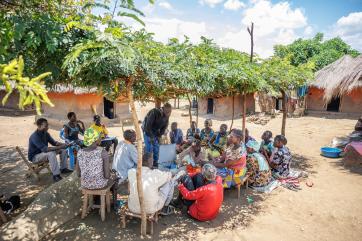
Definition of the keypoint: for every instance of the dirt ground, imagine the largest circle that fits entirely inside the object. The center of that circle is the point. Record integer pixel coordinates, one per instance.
(330, 210)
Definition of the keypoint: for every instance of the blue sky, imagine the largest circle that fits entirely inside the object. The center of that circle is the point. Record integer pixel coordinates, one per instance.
(276, 22)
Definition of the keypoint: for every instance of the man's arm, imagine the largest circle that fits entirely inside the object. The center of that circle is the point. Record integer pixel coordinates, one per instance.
(163, 129)
(192, 195)
(133, 154)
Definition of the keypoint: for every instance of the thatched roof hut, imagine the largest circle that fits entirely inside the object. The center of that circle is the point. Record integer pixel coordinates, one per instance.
(338, 86)
(340, 77)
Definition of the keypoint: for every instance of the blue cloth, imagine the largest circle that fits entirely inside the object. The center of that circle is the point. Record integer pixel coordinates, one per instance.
(176, 137)
(204, 135)
(302, 91)
(125, 158)
(268, 147)
(263, 164)
(153, 147)
(190, 135)
(38, 143)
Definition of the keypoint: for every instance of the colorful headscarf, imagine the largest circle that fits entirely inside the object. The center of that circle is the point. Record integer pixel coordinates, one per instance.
(90, 136)
(253, 144)
(209, 172)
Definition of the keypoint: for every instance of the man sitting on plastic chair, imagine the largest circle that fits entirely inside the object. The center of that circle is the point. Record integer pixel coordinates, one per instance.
(107, 141)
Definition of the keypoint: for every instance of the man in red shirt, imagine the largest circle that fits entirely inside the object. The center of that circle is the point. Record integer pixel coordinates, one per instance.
(203, 193)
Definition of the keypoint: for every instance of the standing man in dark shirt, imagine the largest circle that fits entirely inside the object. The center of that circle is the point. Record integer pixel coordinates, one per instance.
(154, 126)
(39, 151)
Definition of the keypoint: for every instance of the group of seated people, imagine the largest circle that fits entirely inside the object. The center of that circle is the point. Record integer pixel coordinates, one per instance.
(38, 150)
(207, 162)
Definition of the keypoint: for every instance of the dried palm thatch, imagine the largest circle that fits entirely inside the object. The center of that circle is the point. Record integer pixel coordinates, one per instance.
(340, 77)
(60, 88)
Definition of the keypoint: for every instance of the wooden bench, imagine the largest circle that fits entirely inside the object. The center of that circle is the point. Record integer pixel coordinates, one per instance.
(125, 212)
(34, 168)
(105, 196)
(2, 216)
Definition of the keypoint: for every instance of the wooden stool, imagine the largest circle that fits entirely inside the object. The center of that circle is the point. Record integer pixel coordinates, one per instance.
(151, 218)
(2, 216)
(34, 168)
(244, 181)
(105, 196)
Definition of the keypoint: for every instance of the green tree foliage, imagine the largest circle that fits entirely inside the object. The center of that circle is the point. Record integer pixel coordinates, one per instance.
(31, 90)
(316, 50)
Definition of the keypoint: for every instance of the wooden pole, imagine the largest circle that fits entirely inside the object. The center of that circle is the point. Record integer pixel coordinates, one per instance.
(139, 161)
(178, 103)
(190, 114)
(157, 103)
(197, 112)
(285, 111)
(232, 118)
(251, 33)
(174, 103)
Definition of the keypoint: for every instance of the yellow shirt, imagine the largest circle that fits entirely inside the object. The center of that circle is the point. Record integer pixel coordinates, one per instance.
(101, 129)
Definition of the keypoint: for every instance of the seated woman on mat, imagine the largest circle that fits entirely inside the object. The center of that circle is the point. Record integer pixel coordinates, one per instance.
(192, 157)
(176, 136)
(219, 141)
(266, 146)
(203, 193)
(192, 132)
(281, 158)
(73, 128)
(207, 133)
(232, 164)
(93, 163)
(107, 141)
(258, 168)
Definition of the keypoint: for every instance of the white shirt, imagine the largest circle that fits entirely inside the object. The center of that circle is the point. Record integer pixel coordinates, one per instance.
(152, 180)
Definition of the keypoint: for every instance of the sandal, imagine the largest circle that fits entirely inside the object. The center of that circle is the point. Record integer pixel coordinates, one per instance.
(167, 210)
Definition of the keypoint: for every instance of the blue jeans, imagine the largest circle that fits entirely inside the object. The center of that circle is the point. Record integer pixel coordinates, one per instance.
(152, 148)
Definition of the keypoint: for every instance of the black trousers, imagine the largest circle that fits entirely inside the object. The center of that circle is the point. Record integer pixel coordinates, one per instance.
(192, 183)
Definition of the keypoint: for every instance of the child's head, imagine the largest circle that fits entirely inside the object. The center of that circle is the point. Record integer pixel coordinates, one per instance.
(280, 141)
(223, 128)
(208, 123)
(196, 145)
(129, 135)
(147, 159)
(174, 126)
(267, 135)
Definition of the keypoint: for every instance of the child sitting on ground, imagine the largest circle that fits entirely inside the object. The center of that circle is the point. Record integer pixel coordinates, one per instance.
(266, 146)
(281, 158)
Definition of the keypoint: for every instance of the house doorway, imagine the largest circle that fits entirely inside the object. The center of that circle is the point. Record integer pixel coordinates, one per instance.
(210, 106)
(108, 108)
(334, 104)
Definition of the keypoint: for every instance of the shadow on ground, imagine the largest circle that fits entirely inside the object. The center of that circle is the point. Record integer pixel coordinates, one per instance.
(355, 168)
(302, 163)
(235, 213)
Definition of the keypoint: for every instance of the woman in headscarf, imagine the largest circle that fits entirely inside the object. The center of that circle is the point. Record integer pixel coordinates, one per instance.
(258, 167)
(93, 162)
(231, 166)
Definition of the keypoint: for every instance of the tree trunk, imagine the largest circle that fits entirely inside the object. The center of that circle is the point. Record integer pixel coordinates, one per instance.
(174, 103)
(178, 103)
(190, 104)
(157, 103)
(197, 111)
(232, 118)
(139, 161)
(285, 111)
(244, 115)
